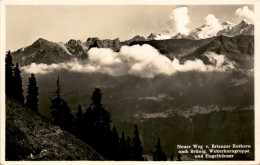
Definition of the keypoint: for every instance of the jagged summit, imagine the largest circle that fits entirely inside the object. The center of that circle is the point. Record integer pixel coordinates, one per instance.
(41, 41)
(73, 42)
(227, 23)
(157, 36)
(227, 28)
(244, 21)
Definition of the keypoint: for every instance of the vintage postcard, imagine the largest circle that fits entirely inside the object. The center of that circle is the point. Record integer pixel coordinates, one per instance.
(95, 82)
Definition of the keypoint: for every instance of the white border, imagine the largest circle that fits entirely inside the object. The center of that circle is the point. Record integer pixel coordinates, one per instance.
(256, 4)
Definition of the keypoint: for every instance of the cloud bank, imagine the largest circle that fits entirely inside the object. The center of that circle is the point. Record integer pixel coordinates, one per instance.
(143, 61)
(179, 19)
(246, 13)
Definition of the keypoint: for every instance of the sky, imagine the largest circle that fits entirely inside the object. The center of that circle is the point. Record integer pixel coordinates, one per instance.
(25, 24)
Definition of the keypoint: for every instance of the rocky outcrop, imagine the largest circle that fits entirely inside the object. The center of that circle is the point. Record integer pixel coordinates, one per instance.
(156, 36)
(77, 48)
(96, 42)
(134, 39)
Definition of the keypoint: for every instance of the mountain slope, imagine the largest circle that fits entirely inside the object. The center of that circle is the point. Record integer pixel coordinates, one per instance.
(242, 28)
(30, 136)
(42, 51)
(175, 47)
(239, 49)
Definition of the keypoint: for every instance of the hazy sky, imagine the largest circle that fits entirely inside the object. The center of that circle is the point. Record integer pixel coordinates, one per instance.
(25, 24)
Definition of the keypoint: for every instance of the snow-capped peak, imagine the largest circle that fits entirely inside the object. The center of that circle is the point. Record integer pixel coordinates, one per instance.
(227, 23)
(206, 31)
(244, 21)
(156, 36)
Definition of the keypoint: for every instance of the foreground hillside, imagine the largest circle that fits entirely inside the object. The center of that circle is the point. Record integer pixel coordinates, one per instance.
(30, 136)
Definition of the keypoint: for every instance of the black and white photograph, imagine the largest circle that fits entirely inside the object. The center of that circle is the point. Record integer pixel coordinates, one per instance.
(128, 82)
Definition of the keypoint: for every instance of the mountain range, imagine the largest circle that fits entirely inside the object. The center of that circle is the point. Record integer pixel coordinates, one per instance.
(230, 39)
(226, 28)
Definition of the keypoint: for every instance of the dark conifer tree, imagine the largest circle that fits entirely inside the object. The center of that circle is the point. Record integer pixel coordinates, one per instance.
(128, 148)
(101, 115)
(159, 155)
(18, 84)
(88, 133)
(122, 144)
(79, 121)
(172, 157)
(32, 94)
(102, 120)
(60, 110)
(164, 156)
(179, 157)
(137, 151)
(9, 75)
(115, 143)
(79, 114)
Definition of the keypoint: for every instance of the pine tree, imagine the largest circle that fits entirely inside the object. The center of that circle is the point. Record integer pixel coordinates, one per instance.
(171, 157)
(159, 155)
(115, 143)
(102, 120)
(79, 121)
(128, 148)
(164, 156)
(18, 85)
(79, 114)
(88, 133)
(32, 94)
(179, 157)
(60, 110)
(137, 146)
(101, 115)
(122, 144)
(9, 75)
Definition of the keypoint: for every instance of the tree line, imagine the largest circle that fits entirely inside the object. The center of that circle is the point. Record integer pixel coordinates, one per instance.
(14, 85)
(93, 125)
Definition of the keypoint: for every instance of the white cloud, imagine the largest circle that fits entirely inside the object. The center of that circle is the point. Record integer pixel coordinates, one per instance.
(179, 19)
(143, 61)
(213, 26)
(246, 13)
(212, 21)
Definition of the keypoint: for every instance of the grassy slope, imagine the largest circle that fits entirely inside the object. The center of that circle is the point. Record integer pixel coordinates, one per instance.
(30, 136)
